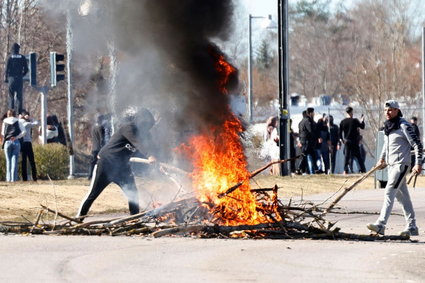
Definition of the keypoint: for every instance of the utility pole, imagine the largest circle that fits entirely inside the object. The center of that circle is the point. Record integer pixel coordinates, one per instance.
(423, 84)
(284, 134)
(43, 94)
(70, 94)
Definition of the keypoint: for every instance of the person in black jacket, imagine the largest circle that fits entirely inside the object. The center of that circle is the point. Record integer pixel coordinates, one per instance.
(323, 145)
(61, 138)
(101, 133)
(308, 139)
(335, 143)
(350, 136)
(16, 69)
(131, 139)
(414, 122)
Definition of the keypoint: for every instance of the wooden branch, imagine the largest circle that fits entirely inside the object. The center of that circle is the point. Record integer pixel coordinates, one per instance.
(255, 173)
(352, 186)
(40, 212)
(61, 215)
(165, 165)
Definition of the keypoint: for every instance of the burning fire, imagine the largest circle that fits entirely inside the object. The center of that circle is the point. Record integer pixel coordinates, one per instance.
(220, 163)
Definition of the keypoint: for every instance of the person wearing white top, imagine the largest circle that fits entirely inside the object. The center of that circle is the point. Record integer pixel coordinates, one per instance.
(27, 150)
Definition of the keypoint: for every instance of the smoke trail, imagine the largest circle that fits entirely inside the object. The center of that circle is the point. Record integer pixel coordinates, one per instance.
(164, 50)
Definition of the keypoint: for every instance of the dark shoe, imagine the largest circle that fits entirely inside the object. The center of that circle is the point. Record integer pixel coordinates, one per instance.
(298, 172)
(411, 231)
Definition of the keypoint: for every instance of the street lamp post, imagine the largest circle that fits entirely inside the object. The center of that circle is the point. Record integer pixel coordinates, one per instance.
(423, 84)
(284, 116)
(269, 25)
(70, 96)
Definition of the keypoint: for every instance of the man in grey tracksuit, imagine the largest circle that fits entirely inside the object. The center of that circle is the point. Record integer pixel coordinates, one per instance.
(398, 139)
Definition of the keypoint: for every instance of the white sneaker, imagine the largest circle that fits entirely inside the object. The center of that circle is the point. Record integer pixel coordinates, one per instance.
(377, 228)
(411, 231)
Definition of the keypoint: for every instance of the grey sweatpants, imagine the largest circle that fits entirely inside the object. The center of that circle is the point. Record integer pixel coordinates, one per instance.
(397, 188)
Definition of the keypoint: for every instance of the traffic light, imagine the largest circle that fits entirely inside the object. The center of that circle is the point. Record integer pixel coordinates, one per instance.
(57, 68)
(31, 76)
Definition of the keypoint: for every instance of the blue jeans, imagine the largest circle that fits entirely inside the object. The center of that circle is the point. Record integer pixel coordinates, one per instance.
(11, 151)
(310, 163)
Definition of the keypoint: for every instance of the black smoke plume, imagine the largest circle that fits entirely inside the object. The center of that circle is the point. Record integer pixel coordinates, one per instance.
(166, 55)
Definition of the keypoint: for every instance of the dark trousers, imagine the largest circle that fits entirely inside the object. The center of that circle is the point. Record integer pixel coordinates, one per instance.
(307, 163)
(351, 151)
(325, 157)
(15, 94)
(333, 152)
(105, 173)
(28, 153)
(92, 163)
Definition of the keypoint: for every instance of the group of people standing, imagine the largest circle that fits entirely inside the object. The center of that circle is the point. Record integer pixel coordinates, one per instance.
(319, 142)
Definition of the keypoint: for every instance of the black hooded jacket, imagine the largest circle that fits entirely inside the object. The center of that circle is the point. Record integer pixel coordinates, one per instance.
(131, 139)
(16, 65)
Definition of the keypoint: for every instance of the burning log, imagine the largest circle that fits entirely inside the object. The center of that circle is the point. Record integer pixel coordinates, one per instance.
(255, 173)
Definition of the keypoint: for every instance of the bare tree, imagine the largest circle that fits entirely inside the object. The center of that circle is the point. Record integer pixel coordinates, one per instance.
(384, 64)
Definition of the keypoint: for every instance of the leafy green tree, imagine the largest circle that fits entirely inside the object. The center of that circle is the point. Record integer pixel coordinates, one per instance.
(264, 56)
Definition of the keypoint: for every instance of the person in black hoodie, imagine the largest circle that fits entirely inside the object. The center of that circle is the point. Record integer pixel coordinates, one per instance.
(350, 136)
(16, 69)
(131, 139)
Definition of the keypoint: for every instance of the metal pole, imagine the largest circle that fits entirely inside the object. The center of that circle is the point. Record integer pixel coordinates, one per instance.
(70, 94)
(423, 84)
(284, 134)
(43, 95)
(250, 68)
(113, 69)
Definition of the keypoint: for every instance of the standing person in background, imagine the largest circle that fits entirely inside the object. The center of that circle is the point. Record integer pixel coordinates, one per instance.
(16, 69)
(308, 139)
(101, 133)
(302, 165)
(270, 149)
(335, 142)
(398, 139)
(325, 144)
(26, 146)
(12, 131)
(292, 141)
(51, 130)
(414, 122)
(61, 133)
(350, 136)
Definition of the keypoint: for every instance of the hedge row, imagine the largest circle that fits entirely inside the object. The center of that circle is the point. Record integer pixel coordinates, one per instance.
(52, 160)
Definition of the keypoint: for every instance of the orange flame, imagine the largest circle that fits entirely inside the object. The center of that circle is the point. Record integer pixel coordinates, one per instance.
(225, 70)
(220, 163)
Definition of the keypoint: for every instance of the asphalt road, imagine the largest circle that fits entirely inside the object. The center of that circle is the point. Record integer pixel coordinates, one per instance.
(123, 259)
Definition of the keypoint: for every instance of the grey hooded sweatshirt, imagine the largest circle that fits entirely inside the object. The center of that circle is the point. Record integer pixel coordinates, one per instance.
(397, 145)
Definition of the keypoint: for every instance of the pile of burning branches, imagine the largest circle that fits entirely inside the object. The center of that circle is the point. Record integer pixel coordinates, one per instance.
(191, 217)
